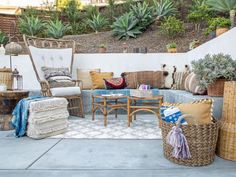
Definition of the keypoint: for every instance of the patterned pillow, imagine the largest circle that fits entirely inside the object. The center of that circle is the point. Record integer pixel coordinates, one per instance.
(201, 110)
(192, 85)
(179, 80)
(169, 76)
(171, 114)
(115, 83)
(51, 72)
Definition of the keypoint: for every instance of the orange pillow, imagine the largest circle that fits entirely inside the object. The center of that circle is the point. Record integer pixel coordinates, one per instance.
(201, 110)
(97, 78)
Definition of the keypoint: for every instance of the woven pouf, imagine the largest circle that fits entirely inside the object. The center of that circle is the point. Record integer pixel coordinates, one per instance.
(226, 146)
(47, 117)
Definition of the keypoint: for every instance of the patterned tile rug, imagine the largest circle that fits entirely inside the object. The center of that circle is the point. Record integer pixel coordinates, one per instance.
(144, 127)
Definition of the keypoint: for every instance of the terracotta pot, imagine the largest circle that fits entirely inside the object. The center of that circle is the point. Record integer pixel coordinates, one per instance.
(220, 31)
(172, 50)
(217, 88)
(102, 50)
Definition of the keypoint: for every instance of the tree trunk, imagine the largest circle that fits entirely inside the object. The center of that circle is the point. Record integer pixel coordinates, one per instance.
(232, 16)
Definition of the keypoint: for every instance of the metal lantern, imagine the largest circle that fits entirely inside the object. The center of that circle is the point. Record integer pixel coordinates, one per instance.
(17, 80)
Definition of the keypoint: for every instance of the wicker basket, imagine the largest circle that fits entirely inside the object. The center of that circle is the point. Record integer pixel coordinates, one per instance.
(226, 146)
(6, 77)
(217, 88)
(201, 140)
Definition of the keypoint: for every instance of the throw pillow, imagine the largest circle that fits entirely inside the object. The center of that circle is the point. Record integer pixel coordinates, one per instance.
(168, 75)
(84, 76)
(179, 80)
(97, 78)
(115, 83)
(51, 72)
(201, 110)
(192, 84)
(171, 114)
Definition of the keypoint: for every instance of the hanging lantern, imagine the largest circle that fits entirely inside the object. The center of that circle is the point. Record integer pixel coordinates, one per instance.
(13, 49)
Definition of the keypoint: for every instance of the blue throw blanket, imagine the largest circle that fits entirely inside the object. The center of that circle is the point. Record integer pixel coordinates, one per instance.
(20, 114)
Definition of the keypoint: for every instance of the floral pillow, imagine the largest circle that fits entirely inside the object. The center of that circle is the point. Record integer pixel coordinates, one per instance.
(115, 83)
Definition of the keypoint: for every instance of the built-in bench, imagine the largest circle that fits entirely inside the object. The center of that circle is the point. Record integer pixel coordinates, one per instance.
(171, 96)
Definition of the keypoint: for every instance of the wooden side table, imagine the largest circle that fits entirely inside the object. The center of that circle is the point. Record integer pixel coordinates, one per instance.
(150, 104)
(107, 104)
(8, 101)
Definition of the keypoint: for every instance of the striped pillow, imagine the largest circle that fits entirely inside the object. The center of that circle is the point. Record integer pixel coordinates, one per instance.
(192, 84)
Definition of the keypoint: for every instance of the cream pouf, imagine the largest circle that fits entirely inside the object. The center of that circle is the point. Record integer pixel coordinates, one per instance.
(47, 118)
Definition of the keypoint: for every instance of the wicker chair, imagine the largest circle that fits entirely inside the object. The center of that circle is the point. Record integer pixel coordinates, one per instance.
(55, 53)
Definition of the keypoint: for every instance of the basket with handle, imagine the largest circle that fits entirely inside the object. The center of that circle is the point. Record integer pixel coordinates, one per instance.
(201, 140)
(6, 77)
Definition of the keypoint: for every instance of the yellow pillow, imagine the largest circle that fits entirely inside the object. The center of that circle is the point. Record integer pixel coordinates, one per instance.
(97, 78)
(201, 110)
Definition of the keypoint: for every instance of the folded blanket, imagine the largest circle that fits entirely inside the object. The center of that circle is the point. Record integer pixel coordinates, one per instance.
(20, 114)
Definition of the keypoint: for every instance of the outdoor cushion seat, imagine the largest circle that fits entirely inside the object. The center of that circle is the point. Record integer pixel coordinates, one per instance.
(65, 91)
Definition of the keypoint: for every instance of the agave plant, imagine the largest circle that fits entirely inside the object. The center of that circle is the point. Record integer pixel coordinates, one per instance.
(31, 25)
(3, 38)
(164, 8)
(143, 13)
(126, 26)
(56, 29)
(224, 6)
(97, 22)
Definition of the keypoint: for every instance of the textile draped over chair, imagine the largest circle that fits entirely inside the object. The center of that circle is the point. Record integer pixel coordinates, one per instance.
(54, 53)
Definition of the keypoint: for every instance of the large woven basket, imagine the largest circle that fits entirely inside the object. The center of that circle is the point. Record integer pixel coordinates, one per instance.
(217, 88)
(6, 77)
(201, 139)
(226, 146)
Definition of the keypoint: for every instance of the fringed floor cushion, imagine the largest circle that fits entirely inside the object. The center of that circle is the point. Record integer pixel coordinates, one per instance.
(47, 117)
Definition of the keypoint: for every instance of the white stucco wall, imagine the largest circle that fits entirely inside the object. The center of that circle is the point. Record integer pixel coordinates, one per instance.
(122, 62)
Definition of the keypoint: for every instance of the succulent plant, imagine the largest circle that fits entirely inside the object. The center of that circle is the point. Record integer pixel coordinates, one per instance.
(213, 67)
(56, 29)
(3, 38)
(126, 26)
(164, 8)
(172, 45)
(97, 22)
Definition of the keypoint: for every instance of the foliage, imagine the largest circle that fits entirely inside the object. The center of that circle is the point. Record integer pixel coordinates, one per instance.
(61, 4)
(72, 12)
(143, 13)
(172, 45)
(91, 11)
(3, 38)
(97, 22)
(56, 29)
(211, 68)
(30, 11)
(195, 43)
(219, 22)
(31, 25)
(102, 46)
(111, 8)
(126, 26)
(172, 27)
(164, 8)
(222, 5)
(199, 14)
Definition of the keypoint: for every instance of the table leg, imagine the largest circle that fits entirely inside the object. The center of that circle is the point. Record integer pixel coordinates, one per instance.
(105, 111)
(116, 109)
(128, 111)
(135, 103)
(93, 110)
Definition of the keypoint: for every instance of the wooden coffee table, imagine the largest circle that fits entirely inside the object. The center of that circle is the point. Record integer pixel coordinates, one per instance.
(8, 101)
(149, 104)
(107, 104)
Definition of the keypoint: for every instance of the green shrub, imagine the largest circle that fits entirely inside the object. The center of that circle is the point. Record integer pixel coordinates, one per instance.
(126, 26)
(72, 12)
(211, 68)
(164, 8)
(56, 29)
(91, 11)
(219, 22)
(78, 28)
(143, 13)
(97, 22)
(3, 38)
(172, 27)
(31, 25)
(172, 45)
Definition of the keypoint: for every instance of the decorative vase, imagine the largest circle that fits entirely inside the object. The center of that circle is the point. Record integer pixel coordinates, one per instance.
(2, 50)
(220, 31)
(217, 88)
(172, 50)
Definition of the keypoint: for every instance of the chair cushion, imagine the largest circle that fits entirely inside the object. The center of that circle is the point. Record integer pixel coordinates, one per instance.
(65, 91)
(84, 76)
(97, 78)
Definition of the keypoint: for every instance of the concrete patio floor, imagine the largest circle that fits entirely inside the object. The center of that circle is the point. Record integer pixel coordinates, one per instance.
(22, 157)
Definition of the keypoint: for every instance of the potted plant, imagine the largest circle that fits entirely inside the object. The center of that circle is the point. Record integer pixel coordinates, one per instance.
(195, 43)
(171, 47)
(102, 48)
(219, 25)
(213, 70)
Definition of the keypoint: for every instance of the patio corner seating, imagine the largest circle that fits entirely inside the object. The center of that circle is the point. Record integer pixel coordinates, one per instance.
(54, 53)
